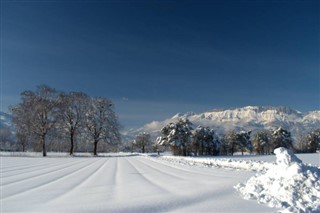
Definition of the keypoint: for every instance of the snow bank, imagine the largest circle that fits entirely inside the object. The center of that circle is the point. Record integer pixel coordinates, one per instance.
(288, 184)
(250, 165)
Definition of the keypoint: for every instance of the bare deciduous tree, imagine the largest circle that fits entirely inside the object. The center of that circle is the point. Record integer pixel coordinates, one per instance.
(102, 122)
(35, 115)
(71, 113)
(142, 141)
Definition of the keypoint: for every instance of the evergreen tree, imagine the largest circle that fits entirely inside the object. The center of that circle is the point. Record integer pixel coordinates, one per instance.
(205, 141)
(230, 140)
(313, 141)
(243, 141)
(262, 142)
(177, 136)
(281, 138)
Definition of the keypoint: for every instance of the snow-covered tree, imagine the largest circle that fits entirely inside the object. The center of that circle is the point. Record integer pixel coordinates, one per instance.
(71, 114)
(230, 142)
(281, 138)
(205, 141)
(237, 141)
(177, 136)
(142, 141)
(243, 141)
(262, 142)
(313, 141)
(101, 122)
(35, 115)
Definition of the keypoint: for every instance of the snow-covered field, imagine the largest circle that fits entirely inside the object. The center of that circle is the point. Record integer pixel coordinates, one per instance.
(132, 183)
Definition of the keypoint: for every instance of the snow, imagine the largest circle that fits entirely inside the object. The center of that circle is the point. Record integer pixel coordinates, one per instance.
(289, 184)
(245, 118)
(128, 182)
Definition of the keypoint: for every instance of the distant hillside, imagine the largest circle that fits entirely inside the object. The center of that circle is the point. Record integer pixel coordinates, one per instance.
(222, 120)
(5, 120)
(246, 118)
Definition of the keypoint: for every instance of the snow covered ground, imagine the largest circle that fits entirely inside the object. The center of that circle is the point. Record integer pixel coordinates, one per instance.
(122, 183)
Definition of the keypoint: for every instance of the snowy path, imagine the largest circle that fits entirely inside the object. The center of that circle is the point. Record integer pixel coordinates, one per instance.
(118, 184)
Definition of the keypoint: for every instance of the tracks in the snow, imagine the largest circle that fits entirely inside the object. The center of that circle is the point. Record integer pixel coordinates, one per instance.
(50, 178)
(106, 184)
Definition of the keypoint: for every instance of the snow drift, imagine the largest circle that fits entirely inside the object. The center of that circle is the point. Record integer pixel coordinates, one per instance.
(289, 184)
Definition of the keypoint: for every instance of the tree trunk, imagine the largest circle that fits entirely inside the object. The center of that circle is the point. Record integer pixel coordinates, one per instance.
(71, 140)
(184, 149)
(142, 149)
(202, 148)
(43, 141)
(196, 152)
(95, 147)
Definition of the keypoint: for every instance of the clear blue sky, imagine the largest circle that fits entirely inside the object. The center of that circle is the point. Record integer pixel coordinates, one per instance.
(157, 58)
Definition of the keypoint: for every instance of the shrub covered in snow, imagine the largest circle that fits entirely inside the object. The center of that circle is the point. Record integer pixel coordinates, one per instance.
(288, 184)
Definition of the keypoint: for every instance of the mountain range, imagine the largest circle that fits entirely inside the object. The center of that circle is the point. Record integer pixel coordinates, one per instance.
(222, 120)
(5, 120)
(245, 118)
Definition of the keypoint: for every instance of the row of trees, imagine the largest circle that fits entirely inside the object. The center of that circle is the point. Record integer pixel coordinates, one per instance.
(183, 139)
(46, 113)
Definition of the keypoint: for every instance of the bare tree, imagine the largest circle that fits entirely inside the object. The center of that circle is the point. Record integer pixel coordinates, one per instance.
(142, 141)
(71, 114)
(35, 115)
(102, 122)
(23, 139)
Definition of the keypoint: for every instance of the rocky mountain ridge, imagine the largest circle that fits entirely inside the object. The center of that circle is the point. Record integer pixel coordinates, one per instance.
(245, 118)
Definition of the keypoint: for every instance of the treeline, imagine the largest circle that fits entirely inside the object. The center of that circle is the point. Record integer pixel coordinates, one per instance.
(183, 139)
(57, 121)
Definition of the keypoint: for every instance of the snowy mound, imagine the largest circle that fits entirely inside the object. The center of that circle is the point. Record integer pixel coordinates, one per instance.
(289, 184)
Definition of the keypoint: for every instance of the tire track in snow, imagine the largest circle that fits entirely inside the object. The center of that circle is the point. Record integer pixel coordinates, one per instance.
(181, 201)
(23, 179)
(197, 200)
(76, 185)
(183, 168)
(23, 162)
(24, 166)
(130, 185)
(48, 167)
(160, 171)
(114, 178)
(48, 183)
(148, 180)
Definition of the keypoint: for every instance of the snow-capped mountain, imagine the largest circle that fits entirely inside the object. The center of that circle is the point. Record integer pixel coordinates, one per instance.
(246, 118)
(5, 120)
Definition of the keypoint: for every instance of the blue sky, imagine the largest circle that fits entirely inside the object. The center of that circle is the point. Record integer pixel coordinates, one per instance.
(157, 58)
